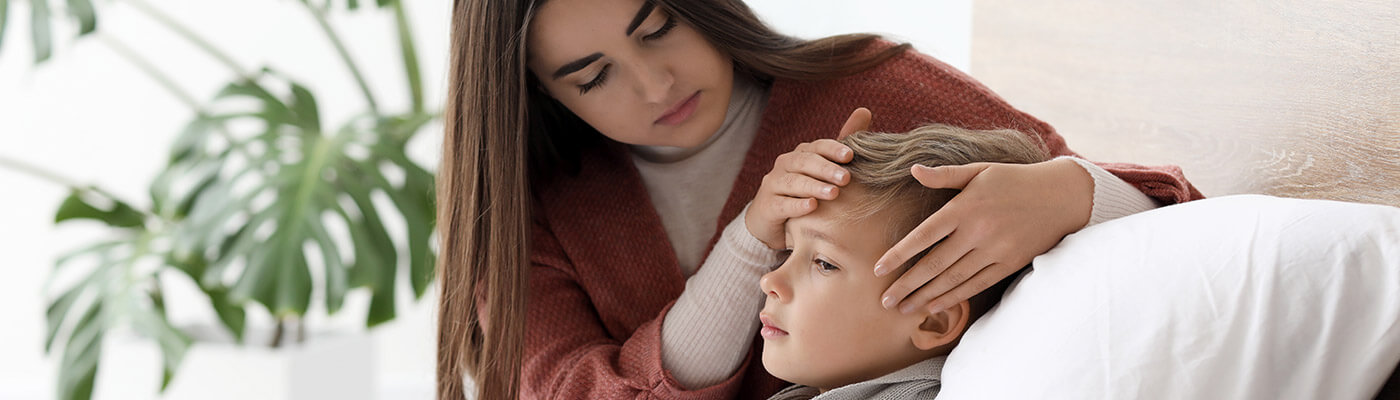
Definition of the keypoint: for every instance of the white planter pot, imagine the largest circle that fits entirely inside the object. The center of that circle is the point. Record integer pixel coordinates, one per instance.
(324, 367)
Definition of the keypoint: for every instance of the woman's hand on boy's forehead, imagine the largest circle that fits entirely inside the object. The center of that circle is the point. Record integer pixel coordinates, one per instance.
(1005, 215)
(798, 179)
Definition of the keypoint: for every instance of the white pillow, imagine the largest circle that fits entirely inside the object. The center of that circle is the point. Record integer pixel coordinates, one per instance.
(1241, 297)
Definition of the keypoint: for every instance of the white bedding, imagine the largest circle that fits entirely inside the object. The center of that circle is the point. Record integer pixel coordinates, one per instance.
(1241, 297)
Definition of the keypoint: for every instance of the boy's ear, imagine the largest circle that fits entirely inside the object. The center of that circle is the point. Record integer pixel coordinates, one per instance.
(941, 328)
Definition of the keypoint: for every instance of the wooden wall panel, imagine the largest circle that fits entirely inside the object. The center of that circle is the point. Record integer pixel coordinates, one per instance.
(1291, 98)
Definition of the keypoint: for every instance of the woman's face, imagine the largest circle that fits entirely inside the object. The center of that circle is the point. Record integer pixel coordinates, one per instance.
(630, 70)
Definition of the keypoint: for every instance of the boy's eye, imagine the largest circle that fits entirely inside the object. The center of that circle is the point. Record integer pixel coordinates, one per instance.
(826, 266)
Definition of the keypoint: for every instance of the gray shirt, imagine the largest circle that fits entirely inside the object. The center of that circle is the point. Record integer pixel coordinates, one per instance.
(918, 381)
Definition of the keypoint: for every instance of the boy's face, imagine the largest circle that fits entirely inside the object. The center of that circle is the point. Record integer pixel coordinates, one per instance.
(823, 325)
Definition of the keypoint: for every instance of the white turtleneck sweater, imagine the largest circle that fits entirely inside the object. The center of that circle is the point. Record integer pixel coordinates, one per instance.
(707, 333)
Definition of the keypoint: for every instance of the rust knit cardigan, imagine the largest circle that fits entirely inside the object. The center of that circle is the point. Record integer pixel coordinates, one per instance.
(604, 274)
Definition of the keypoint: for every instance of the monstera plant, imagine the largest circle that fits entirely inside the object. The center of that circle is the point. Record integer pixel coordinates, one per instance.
(250, 196)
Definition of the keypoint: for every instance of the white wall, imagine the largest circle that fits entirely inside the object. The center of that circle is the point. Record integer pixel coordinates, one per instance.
(93, 117)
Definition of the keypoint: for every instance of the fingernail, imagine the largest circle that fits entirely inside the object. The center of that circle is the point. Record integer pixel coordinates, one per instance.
(845, 152)
(907, 308)
(840, 175)
(879, 272)
(827, 190)
(887, 302)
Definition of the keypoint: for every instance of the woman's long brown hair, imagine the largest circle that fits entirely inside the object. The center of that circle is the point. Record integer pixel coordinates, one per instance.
(502, 134)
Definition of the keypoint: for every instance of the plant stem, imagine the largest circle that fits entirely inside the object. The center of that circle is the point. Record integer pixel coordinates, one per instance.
(277, 333)
(301, 331)
(145, 66)
(38, 172)
(54, 177)
(164, 80)
(344, 54)
(410, 56)
(189, 35)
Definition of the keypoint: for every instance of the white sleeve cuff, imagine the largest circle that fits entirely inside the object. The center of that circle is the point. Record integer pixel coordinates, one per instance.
(1113, 197)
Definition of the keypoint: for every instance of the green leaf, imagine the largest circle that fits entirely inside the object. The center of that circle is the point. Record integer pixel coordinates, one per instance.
(241, 244)
(87, 17)
(4, 17)
(78, 367)
(304, 104)
(379, 270)
(121, 215)
(255, 282)
(193, 264)
(190, 139)
(187, 203)
(336, 283)
(39, 24)
(232, 315)
(158, 299)
(173, 343)
(415, 203)
(293, 280)
(409, 53)
(58, 312)
(98, 248)
(209, 217)
(274, 111)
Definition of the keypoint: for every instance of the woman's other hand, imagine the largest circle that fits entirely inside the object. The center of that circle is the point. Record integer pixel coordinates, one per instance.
(1006, 215)
(798, 179)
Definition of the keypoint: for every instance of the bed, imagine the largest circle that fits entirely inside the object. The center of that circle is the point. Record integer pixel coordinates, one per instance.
(1287, 98)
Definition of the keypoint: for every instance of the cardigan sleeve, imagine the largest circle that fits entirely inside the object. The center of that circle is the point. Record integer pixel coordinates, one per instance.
(951, 96)
(570, 355)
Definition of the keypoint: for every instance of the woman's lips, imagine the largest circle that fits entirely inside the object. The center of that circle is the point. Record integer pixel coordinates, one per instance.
(770, 329)
(680, 112)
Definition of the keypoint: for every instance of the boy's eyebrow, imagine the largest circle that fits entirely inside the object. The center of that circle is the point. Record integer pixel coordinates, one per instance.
(822, 236)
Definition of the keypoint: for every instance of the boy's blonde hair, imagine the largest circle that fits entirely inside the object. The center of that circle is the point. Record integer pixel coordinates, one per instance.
(882, 162)
(882, 165)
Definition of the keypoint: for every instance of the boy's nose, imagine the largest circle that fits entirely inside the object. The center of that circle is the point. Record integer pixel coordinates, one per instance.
(772, 285)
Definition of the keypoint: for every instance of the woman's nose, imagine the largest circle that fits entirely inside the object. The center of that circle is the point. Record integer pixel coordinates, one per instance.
(654, 81)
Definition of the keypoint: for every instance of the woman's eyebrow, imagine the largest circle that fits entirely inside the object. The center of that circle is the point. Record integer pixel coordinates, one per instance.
(641, 16)
(576, 65)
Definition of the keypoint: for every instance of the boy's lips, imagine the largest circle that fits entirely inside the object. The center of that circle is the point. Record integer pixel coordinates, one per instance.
(770, 328)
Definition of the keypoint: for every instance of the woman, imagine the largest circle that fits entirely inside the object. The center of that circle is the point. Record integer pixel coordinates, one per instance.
(598, 160)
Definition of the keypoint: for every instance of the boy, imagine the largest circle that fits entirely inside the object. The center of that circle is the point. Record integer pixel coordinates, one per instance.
(822, 327)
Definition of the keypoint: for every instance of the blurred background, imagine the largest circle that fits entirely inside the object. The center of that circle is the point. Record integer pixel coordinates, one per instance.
(157, 130)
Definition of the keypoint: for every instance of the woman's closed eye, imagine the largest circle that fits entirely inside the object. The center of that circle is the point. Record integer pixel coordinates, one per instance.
(661, 32)
(603, 73)
(597, 80)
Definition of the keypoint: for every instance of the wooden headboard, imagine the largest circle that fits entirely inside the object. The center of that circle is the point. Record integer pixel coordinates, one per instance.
(1293, 98)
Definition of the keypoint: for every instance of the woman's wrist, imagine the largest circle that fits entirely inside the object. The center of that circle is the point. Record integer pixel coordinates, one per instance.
(1113, 197)
(1076, 193)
